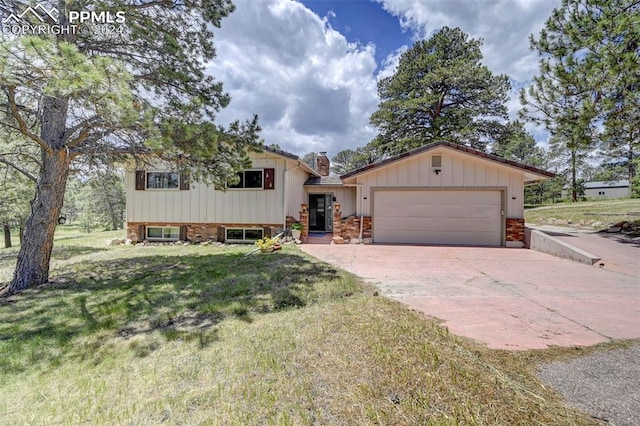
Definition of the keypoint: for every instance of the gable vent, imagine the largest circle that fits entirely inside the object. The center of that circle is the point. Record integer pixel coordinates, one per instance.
(436, 161)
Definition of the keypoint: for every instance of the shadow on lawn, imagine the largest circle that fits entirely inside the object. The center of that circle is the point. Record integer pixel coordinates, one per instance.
(178, 296)
(8, 257)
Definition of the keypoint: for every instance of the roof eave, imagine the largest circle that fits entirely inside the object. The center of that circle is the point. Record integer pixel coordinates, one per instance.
(324, 184)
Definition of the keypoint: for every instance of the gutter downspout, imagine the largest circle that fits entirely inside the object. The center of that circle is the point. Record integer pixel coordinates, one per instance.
(360, 200)
(286, 193)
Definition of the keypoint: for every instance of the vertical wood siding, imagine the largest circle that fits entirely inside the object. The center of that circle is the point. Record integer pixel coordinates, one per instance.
(204, 204)
(297, 177)
(458, 171)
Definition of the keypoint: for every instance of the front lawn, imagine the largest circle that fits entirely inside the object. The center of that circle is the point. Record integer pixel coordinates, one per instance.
(205, 335)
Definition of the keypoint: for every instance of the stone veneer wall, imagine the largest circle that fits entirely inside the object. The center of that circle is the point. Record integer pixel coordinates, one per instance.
(515, 230)
(304, 220)
(198, 232)
(349, 227)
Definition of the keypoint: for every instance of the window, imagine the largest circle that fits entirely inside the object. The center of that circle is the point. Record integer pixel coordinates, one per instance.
(163, 180)
(244, 234)
(249, 179)
(436, 161)
(163, 233)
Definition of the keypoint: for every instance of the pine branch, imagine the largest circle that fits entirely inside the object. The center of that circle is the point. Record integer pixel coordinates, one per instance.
(19, 169)
(22, 125)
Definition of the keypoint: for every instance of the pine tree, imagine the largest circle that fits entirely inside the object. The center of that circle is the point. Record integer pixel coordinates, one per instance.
(17, 184)
(516, 144)
(588, 87)
(141, 91)
(440, 91)
(350, 159)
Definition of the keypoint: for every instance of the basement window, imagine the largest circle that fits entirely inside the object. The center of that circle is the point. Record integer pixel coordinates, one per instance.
(163, 233)
(243, 235)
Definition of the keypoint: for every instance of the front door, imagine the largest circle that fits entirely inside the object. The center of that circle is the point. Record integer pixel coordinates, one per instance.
(320, 219)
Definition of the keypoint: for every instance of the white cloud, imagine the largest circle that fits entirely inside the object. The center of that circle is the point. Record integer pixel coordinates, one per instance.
(504, 25)
(390, 63)
(315, 91)
(312, 90)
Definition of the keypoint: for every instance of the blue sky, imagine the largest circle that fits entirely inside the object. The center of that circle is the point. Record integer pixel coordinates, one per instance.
(364, 21)
(309, 68)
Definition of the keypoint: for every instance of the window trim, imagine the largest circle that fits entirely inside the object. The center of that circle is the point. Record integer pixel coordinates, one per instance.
(244, 239)
(163, 238)
(244, 180)
(146, 180)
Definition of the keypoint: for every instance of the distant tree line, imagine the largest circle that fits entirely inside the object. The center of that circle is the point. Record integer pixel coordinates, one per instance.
(94, 198)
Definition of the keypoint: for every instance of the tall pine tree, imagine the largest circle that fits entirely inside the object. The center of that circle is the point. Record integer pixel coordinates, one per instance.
(136, 87)
(440, 91)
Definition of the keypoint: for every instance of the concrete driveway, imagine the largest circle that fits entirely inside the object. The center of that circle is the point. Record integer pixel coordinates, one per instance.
(507, 298)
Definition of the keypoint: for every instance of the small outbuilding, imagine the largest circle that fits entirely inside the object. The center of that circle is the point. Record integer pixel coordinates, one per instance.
(607, 189)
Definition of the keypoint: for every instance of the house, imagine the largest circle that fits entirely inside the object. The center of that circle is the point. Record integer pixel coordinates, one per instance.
(441, 193)
(608, 189)
(162, 205)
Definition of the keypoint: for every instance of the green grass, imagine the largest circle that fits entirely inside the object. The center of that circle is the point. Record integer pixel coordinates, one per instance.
(585, 214)
(205, 335)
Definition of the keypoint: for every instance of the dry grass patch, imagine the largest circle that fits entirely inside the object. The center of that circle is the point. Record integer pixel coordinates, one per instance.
(357, 360)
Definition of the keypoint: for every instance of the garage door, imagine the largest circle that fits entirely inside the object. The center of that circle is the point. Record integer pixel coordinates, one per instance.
(438, 217)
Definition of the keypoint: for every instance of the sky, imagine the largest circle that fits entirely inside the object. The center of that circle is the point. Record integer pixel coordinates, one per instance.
(309, 68)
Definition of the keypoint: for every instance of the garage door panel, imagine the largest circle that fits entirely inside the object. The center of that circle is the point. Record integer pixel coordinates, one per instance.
(471, 217)
(452, 224)
(445, 210)
(444, 238)
(439, 197)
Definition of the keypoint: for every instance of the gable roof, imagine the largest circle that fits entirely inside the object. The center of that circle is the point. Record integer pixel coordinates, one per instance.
(291, 156)
(429, 147)
(607, 184)
(280, 152)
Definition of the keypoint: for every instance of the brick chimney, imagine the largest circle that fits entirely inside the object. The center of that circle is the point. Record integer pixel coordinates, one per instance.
(322, 164)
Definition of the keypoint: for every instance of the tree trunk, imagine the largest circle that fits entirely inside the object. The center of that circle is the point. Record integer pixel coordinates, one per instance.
(35, 252)
(7, 235)
(574, 182)
(21, 233)
(113, 215)
(32, 267)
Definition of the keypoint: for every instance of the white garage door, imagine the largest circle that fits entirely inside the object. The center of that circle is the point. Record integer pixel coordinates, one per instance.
(438, 217)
